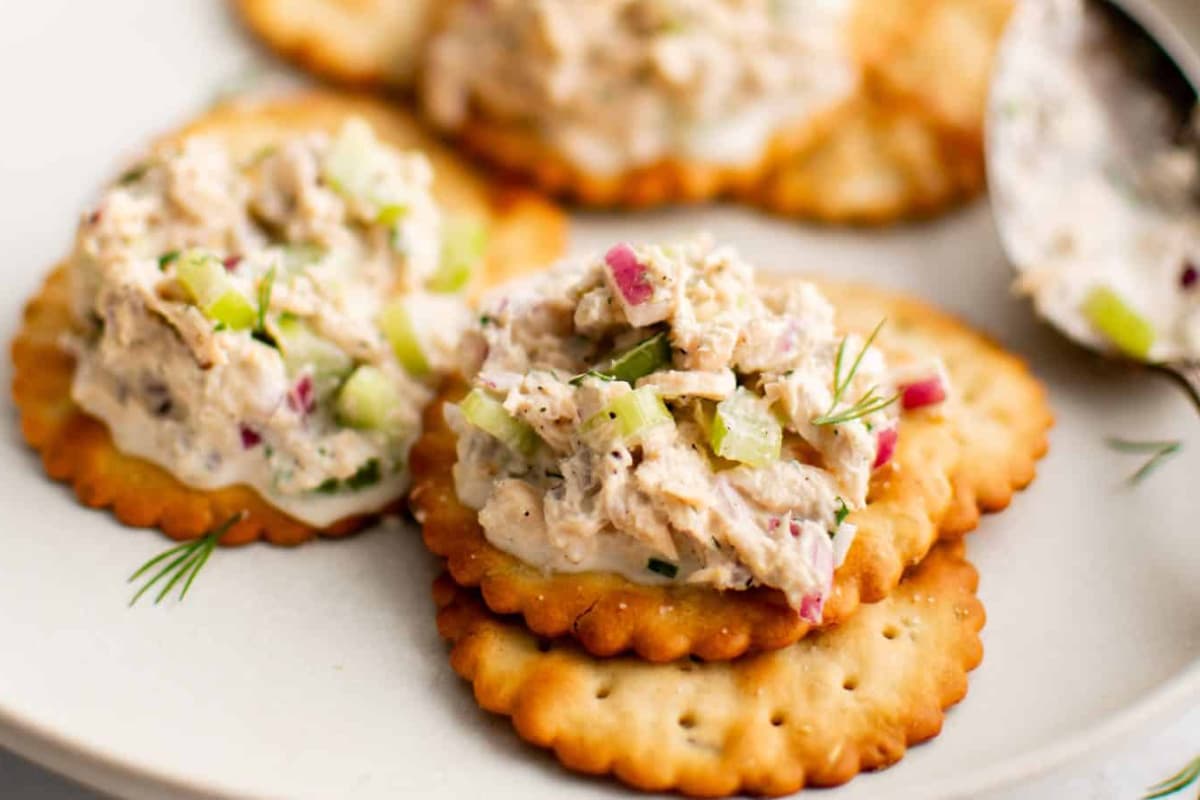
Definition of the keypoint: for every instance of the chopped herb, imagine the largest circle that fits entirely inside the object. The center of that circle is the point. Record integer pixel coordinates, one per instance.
(265, 286)
(1159, 452)
(328, 486)
(220, 326)
(367, 475)
(486, 320)
(591, 373)
(184, 562)
(260, 332)
(842, 512)
(133, 174)
(166, 258)
(869, 403)
(264, 337)
(1181, 780)
(664, 568)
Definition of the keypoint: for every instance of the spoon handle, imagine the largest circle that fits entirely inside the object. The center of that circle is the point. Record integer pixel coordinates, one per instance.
(1187, 374)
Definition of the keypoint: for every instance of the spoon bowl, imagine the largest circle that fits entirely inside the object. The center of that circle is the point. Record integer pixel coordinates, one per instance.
(1093, 144)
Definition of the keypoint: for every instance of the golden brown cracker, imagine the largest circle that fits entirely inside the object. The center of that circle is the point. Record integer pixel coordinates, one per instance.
(817, 713)
(882, 161)
(1001, 412)
(75, 448)
(362, 42)
(938, 53)
(911, 144)
(609, 614)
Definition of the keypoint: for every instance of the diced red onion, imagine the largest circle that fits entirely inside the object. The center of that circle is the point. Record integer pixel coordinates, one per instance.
(885, 446)
(250, 437)
(816, 545)
(628, 275)
(1190, 276)
(231, 263)
(927, 392)
(302, 399)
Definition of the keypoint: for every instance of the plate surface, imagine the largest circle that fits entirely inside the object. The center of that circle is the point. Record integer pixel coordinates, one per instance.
(317, 672)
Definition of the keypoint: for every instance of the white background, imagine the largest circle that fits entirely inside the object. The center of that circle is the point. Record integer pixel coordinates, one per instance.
(72, 73)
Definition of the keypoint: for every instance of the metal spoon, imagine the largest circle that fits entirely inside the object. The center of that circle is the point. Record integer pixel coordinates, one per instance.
(1128, 57)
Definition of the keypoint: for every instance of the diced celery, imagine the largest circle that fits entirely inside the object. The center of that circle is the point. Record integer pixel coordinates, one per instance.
(488, 414)
(745, 430)
(350, 164)
(634, 413)
(204, 277)
(1127, 330)
(396, 323)
(464, 241)
(233, 310)
(367, 399)
(649, 355)
(302, 348)
(390, 214)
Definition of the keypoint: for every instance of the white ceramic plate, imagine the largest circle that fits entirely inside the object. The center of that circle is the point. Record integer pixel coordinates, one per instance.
(317, 672)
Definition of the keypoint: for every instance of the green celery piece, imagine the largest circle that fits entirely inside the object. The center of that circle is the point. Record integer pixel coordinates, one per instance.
(1127, 330)
(634, 413)
(488, 415)
(204, 277)
(366, 399)
(396, 323)
(390, 214)
(645, 357)
(745, 430)
(464, 241)
(302, 348)
(233, 310)
(349, 166)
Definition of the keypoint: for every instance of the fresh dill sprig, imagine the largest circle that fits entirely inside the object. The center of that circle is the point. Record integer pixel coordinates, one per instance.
(1181, 780)
(184, 562)
(869, 403)
(1159, 452)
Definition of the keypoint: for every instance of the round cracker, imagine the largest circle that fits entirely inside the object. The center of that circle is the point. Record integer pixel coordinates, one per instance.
(525, 233)
(911, 145)
(360, 42)
(946, 470)
(849, 699)
(884, 160)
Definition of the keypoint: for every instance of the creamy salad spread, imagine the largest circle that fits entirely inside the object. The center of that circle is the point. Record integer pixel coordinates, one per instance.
(615, 84)
(267, 322)
(653, 414)
(1111, 256)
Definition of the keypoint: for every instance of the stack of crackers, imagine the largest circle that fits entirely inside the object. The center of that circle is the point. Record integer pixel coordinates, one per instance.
(710, 693)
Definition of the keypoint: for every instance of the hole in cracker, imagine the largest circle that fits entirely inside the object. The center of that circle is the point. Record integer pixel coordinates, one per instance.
(778, 719)
(603, 692)
(891, 632)
(687, 720)
(544, 645)
(851, 683)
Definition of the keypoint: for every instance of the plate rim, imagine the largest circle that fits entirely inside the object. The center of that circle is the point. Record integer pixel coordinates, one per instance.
(108, 772)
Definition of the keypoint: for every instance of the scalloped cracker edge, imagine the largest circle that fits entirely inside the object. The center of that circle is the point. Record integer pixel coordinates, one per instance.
(817, 713)
(526, 232)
